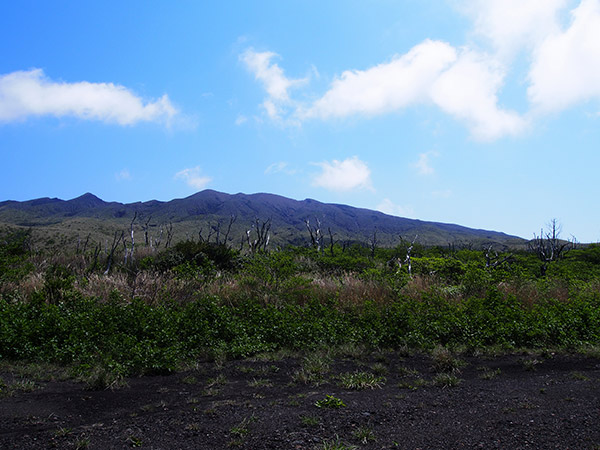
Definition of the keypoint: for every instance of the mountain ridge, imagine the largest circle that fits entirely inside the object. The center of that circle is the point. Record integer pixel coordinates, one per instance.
(206, 210)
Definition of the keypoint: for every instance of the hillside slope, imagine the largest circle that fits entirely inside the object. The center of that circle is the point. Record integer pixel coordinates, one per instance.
(201, 213)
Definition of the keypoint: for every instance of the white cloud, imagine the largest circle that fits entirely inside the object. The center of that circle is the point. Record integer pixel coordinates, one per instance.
(462, 83)
(123, 175)
(193, 177)
(468, 91)
(466, 82)
(346, 175)
(273, 79)
(277, 167)
(423, 165)
(511, 25)
(403, 81)
(388, 207)
(566, 66)
(241, 119)
(30, 93)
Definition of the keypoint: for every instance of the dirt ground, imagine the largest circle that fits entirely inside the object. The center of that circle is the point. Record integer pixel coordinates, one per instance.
(405, 401)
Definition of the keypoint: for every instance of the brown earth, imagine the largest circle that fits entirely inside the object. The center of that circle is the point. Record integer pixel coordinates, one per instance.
(510, 401)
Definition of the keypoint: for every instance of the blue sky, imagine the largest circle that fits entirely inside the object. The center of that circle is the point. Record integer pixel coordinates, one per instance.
(483, 113)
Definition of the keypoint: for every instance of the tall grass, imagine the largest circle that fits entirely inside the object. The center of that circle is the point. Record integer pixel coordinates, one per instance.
(163, 310)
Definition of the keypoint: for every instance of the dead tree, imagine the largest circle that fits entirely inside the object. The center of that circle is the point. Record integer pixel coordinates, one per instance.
(145, 227)
(132, 238)
(87, 240)
(232, 220)
(263, 235)
(97, 250)
(493, 260)
(316, 235)
(116, 241)
(407, 262)
(125, 252)
(169, 235)
(331, 241)
(217, 229)
(158, 240)
(373, 242)
(548, 246)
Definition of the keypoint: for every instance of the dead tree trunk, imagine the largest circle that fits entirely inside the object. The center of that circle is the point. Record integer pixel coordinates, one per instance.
(548, 246)
(493, 261)
(316, 235)
(132, 238)
(263, 236)
(169, 235)
(331, 242)
(232, 220)
(109, 260)
(407, 262)
(373, 243)
(145, 228)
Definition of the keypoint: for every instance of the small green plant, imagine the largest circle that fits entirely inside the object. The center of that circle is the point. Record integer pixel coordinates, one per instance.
(444, 360)
(360, 380)
(260, 382)
(310, 421)
(317, 363)
(445, 380)
(189, 380)
(100, 378)
(330, 402)
(412, 384)
(579, 376)
(364, 435)
(380, 369)
(24, 385)
(406, 372)
(243, 428)
(62, 432)
(82, 442)
(489, 374)
(219, 380)
(336, 444)
(531, 364)
(134, 441)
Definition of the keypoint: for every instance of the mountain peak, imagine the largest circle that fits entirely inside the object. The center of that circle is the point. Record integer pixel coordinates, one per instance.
(87, 200)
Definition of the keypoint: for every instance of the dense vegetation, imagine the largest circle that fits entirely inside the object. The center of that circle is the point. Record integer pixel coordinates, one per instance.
(157, 310)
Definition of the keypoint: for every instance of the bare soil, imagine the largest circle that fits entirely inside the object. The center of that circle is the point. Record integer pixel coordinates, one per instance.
(512, 401)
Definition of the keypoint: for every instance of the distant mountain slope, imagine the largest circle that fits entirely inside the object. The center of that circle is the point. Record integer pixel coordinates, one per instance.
(201, 212)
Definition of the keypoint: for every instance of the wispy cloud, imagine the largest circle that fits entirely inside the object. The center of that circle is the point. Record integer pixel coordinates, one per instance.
(25, 94)
(241, 119)
(388, 207)
(423, 165)
(123, 175)
(273, 80)
(193, 177)
(277, 167)
(346, 175)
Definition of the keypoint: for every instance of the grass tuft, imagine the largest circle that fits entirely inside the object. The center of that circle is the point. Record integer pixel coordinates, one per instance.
(360, 380)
